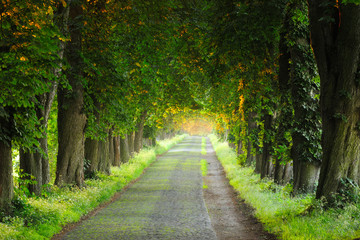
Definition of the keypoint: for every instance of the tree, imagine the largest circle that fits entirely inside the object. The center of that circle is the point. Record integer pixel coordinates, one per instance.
(34, 161)
(29, 54)
(71, 116)
(336, 43)
(306, 132)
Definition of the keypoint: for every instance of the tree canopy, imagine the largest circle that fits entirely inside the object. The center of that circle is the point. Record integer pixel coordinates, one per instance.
(112, 73)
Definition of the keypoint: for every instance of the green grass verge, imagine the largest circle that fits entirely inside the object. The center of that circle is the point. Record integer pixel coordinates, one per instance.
(288, 217)
(41, 218)
(203, 146)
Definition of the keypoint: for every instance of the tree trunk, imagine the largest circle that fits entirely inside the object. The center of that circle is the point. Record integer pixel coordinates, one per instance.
(130, 140)
(284, 115)
(240, 144)
(111, 149)
(306, 148)
(153, 142)
(305, 175)
(6, 178)
(139, 133)
(33, 162)
(124, 149)
(337, 49)
(117, 158)
(265, 156)
(282, 173)
(91, 156)
(6, 169)
(71, 118)
(104, 158)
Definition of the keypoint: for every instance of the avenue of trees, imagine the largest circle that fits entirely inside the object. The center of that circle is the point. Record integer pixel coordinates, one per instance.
(279, 78)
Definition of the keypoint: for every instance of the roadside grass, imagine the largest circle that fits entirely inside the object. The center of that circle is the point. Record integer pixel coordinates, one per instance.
(301, 217)
(42, 217)
(203, 146)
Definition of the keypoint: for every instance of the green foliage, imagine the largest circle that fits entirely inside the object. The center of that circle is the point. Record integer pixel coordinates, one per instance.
(28, 56)
(22, 181)
(351, 1)
(42, 217)
(300, 217)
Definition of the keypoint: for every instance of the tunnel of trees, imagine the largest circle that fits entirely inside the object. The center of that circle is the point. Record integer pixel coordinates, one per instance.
(84, 84)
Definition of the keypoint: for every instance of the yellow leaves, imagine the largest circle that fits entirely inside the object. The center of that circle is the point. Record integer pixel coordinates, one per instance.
(126, 8)
(138, 64)
(132, 71)
(62, 39)
(63, 3)
(22, 58)
(241, 85)
(37, 25)
(50, 11)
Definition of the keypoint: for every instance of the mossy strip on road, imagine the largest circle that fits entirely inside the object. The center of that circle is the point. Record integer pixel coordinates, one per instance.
(165, 203)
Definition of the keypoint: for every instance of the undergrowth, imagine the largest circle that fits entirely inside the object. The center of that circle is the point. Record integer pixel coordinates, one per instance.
(301, 217)
(42, 217)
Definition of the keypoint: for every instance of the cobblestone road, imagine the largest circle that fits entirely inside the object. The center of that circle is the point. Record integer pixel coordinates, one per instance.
(165, 203)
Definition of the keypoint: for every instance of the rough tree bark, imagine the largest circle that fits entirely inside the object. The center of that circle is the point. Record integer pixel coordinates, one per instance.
(117, 159)
(111, 148)
(335, 36)
(104, 156)
(92, 156)
(124, 149)
(139, 133)
(130, 140)
(71, 117)
(6, 178)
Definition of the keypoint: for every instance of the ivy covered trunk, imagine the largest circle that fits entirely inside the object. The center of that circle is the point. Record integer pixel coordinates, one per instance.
(266, 169)
(6, 178)
(71, 116)
(124, 149)
(335, 37)
(284, 115)
(250, 158)
(139, 133)
(306, 149)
